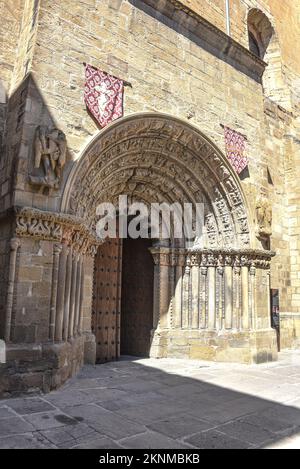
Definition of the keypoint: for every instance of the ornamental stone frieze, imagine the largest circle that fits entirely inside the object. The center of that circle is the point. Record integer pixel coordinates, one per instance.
(49, 226)
(251, 258)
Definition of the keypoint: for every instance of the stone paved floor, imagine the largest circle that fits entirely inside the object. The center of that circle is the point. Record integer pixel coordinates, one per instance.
(163, 404)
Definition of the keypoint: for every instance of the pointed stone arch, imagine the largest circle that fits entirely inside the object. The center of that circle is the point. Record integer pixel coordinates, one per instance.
(155, 157)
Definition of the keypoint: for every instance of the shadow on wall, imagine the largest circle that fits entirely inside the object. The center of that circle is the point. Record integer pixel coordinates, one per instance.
(204, 35)
(20, 116)
(26, 112)
(3, 104)
(130, 404)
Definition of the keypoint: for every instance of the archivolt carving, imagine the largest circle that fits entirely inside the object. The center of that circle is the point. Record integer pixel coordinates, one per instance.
(154, 156)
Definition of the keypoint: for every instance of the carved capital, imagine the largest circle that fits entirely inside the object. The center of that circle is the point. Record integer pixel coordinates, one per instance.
(14, 244)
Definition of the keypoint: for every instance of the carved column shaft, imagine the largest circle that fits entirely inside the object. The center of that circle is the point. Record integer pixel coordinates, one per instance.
(211, 297)
(245, 297)
(61, 293)
(78, 289)
(195, 297)
(185, 311)
(228, 296)
(203, 297)
(56, 252)
(164, 295)
(67, 295)
(81, 298)
(14, 245)
(177, 296)
(253, 296)
(73, 295)
(236, 317)
(156, 294)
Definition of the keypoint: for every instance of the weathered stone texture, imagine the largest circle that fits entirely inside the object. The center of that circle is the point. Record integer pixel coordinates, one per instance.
(44, 48)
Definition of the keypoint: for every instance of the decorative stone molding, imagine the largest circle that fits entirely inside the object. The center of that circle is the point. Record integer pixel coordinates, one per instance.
(66, 229)
(14, 246)
(219, 258)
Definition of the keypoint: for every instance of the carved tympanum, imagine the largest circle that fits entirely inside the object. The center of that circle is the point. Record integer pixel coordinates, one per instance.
(49, 157)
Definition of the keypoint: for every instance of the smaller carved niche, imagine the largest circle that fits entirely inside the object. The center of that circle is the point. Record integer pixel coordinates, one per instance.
(49, 157)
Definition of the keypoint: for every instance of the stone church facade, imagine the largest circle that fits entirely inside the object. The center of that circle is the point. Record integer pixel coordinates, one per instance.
(66, 298)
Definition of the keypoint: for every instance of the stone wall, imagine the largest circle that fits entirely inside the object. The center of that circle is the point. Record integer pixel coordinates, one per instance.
(5, 235)
(11, 10)
(289, 330)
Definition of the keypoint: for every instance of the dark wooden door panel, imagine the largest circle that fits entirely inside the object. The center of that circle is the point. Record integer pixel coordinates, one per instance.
(137, 297)
(106, 300)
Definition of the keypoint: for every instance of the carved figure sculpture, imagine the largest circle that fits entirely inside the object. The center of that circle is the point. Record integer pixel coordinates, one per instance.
(264, 217)
(49, 156)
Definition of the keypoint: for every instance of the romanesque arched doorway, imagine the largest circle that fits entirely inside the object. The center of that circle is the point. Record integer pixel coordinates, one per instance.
(210, 297)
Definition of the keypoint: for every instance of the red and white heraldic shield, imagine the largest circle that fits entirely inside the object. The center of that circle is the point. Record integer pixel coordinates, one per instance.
(103, 95)
(235, 144)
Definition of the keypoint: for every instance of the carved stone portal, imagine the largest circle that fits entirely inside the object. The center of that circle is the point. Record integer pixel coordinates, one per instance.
(49, 157)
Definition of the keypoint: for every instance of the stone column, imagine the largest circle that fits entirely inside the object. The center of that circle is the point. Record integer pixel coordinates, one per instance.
(14, 245)
(81, 288)
(195, 320)
(253, 296)
(177, 307)
(172, 276)
(245, 293)
(228, 285)
(156, 294)
(268, 293)
(236, 318)
(67, 295)
(220, 318)
(186, 291)
(56, 252)
(203, 297)
(77, 297)
(73, 295)
(164, 297)
(211, 274)
(61, 293)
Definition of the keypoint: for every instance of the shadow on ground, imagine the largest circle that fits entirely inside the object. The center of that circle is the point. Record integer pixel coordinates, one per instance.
(147, 403)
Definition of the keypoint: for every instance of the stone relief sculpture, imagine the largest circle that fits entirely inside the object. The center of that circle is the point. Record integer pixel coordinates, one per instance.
(263, 217)
(49, 156)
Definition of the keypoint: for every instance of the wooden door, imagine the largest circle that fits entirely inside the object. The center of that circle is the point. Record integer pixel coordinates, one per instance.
(106, 300)
(137, 297)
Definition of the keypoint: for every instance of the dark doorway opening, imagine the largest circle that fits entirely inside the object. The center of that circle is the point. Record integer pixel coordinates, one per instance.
(136, 297)
(122, 311)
